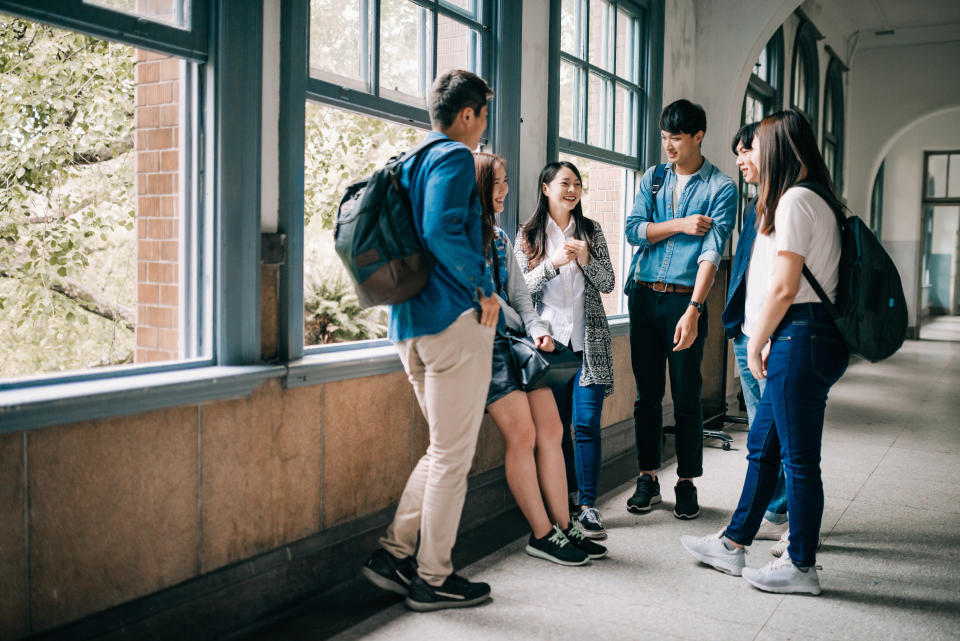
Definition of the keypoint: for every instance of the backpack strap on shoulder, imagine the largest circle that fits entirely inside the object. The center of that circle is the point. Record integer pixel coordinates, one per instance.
(659, 174)
(837, 207)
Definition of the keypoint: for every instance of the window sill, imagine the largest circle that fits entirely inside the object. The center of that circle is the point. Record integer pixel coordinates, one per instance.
(340, 365)
(29, 408)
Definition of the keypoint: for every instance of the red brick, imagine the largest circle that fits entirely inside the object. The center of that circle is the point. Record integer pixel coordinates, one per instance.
(160, 355)
(170, 69)
(161, 317)
(148, 250)
(147, 293)
(170, 115)
(141, 356)
(169, 339)
(142, 184)
(160, 229)
(170, 250)
(147, 206)
(168, 206)
(148, 72)
(148, 117)
(159, 138)
(153, 55)
(147, 337)
(148, 161)
(170, 160)
(160, 183)
(141, 55)
(141, 228)
(141, 96)
(169, 295)
(141, 272)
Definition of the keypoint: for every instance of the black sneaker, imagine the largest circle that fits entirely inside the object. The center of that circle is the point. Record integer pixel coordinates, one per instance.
(556, 547)
(390, 573)
(589, 520)
(456, 592)
(646, 496)
(576, 535)
(686, 506)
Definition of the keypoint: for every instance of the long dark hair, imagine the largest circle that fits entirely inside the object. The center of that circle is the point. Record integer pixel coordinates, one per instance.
(535, 230)
(788, 155)
(486, 166)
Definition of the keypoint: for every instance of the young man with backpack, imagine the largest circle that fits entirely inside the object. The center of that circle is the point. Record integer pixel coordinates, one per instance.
(444, 336)
(680, 222)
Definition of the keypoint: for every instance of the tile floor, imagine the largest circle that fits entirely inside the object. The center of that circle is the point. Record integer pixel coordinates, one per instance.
(890, 557)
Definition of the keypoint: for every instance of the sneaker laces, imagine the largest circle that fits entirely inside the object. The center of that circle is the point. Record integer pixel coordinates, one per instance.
(575, 532)
(558, 538)
(593, 515)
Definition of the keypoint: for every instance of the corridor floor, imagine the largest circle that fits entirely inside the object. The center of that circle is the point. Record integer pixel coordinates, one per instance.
(890, 557)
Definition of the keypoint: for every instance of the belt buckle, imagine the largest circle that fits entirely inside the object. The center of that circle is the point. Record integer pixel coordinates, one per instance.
(659, 286)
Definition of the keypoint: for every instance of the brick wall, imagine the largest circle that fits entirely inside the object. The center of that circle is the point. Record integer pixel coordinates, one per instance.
(157, 140)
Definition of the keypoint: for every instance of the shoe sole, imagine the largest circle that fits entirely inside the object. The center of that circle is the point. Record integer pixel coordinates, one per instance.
(599, 536)
(687, 516)
(383, 582)
(811, 590)
(636, 509)
(433, 606)
(594, 557)
(532, 551)
(716, 564)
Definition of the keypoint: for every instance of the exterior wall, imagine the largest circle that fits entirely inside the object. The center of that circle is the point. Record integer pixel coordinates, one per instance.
(157, 115)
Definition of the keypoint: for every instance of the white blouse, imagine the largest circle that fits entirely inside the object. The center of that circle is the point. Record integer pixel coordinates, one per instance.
(563, 295)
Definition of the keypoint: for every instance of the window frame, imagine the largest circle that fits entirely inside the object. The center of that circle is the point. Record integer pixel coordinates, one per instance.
(649, 86)
(500, 23)
(834, 100)
(227, 153)
(876, 201)
(928, 203)
(805, 52)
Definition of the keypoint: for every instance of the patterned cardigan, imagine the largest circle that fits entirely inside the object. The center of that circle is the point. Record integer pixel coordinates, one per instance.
(598, 278)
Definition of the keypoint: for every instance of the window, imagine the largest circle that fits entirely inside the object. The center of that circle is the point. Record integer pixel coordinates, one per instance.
(833, 123)
(101, 216)
(805, 83)
(600, 101)
(876, 203)
(370, 67)
(939, 232)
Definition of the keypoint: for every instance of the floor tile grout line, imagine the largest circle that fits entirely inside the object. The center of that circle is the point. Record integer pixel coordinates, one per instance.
(763, 626)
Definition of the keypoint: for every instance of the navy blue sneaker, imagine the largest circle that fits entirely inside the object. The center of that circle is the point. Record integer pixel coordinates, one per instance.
(390, 573)
(456, 592)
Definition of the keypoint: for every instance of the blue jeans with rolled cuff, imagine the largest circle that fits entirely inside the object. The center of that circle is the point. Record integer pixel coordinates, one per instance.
(807, 356)
(580, 407)
(752, 391)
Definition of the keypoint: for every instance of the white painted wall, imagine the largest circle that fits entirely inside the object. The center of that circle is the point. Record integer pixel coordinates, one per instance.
(534, 65)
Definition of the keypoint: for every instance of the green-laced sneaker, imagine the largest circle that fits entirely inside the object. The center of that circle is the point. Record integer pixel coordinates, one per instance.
(556, 547)
(578, 537)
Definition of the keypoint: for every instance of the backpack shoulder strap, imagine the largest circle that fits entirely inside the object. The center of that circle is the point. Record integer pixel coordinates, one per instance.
(659, 174)
(837, 207)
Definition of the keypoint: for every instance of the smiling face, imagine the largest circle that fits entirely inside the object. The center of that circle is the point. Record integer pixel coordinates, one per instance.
(681, 149)
(564, 191)
(500, 187)
(753, 156)
(747, 164)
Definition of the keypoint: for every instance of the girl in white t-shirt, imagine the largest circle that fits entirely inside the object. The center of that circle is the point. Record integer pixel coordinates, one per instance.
(795, 346)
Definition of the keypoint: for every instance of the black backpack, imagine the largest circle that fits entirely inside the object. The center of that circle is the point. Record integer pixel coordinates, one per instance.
(377, 240)
(871, 310)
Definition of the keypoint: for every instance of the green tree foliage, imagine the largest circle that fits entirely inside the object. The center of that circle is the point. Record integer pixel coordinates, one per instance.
(67, 252)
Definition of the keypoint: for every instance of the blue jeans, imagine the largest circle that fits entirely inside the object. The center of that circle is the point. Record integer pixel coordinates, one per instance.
(752, 391)
(807, 357)
(581, 407)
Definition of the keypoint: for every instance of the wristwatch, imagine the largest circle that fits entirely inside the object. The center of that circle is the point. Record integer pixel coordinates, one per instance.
(699, 306)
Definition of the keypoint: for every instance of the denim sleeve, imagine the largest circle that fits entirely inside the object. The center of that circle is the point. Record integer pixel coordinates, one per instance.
(723, 212)
(642, 213)
(451, 229)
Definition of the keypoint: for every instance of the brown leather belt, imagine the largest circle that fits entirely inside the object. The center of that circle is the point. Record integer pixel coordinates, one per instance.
(663, 287)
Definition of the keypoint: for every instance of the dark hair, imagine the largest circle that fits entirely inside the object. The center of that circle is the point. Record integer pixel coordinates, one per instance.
(453, 92)
(744, 136)
(535, 230)
(788, 154)
(683, 117)
(486, 165)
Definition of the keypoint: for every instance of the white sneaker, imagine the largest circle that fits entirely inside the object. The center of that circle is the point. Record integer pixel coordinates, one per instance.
(770, 531)
(783, 577)
(711, 550)
(781, 546)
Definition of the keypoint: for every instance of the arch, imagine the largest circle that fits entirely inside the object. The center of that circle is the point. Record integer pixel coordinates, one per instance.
(805, 88)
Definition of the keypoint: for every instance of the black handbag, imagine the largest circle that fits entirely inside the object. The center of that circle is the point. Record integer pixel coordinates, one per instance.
(535, 368)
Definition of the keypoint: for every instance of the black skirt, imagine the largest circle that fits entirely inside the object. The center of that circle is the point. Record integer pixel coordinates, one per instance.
(503, 378)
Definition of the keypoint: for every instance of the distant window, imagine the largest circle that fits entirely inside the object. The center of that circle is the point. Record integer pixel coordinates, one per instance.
(804, 92)
(876, 203)
(833, 123)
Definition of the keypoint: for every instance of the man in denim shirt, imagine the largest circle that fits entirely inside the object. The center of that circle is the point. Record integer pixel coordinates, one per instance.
(680, 233)
(444, 336)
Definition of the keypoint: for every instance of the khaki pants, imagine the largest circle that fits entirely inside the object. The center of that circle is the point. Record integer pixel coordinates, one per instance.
(450, 373)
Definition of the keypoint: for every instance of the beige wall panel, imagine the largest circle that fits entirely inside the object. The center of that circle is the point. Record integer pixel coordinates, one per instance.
(261, 472)
(489, 452)
(113, 511)
(367, 426)
(619, 406)
(13, 560)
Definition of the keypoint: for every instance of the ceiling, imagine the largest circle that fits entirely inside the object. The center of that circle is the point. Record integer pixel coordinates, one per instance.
(911, 21)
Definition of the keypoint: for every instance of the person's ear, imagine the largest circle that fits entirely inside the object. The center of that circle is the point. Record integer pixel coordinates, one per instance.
(698, 137)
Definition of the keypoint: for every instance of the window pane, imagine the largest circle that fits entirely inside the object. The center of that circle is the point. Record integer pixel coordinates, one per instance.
(172, 12)
(601, 34)
(341, 147)
(953, 190)
(628, 46)
(625, 121)
(96, 227)
(762, 68)
(800, 84)
(471, 7)
(569, 102)
(828, 108)
(406, 37)
(830, 159)
(571, 27)
(337, 35)
(753, 110)
(937, 176)
(457, 46)
(607, 197)
(598, 122)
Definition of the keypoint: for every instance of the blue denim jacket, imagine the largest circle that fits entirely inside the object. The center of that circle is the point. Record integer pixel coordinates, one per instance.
(442, 185)
(676, 259)
(737, 291)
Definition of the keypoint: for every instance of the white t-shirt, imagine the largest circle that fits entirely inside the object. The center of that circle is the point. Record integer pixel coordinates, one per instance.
(805, 225)
(563, 295)
(678, 188)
